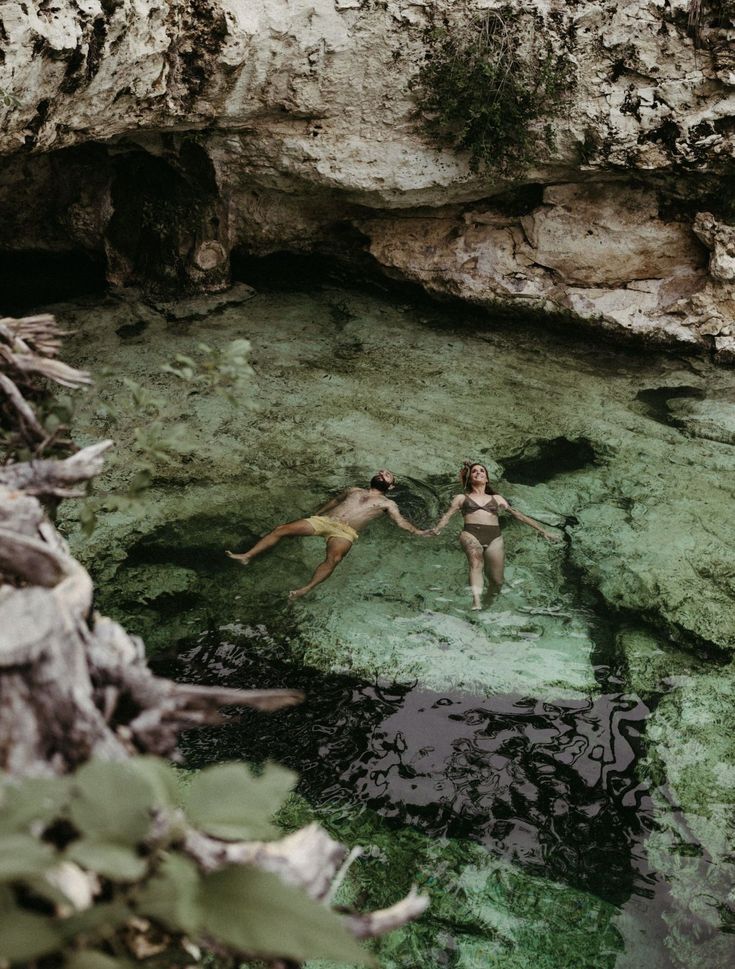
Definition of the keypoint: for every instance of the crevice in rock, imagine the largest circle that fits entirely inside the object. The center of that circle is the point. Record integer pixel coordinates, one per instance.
(543, 460)
(166, 233)
(654, 403)
(515, 202)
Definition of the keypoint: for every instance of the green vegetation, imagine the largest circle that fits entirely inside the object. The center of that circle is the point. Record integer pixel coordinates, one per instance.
(8, 99)
(488, 89)
(109, 865)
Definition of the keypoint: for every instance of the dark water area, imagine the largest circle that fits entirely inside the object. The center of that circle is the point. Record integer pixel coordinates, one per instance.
(549, 786)
(655, 402)
(32, 279)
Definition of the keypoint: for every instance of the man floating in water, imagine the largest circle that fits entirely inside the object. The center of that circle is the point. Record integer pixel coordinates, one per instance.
(339, 521)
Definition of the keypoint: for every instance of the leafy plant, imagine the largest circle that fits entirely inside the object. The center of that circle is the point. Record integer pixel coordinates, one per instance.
(97, 868)
(8, 99)
(484, 90)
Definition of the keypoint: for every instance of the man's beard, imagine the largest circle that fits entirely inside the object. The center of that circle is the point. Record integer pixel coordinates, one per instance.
(380, 485)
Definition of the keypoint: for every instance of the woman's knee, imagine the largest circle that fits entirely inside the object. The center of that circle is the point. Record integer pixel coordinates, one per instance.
(495, 571)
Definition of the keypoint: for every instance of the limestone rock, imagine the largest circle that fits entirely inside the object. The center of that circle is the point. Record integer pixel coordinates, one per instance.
(607, 236)
(192, 129)
(719, 238)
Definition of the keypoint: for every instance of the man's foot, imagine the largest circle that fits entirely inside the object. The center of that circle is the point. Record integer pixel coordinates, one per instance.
(476, 607)
(241, 557)
(298, 593)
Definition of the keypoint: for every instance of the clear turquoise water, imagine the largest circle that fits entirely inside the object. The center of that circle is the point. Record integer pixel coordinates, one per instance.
(557, 772)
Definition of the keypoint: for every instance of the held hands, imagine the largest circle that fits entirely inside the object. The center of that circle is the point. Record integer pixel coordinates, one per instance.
(428, 533)
(551, 536)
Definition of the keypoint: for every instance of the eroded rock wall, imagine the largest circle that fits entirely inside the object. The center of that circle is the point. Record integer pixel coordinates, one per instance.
(292, 125)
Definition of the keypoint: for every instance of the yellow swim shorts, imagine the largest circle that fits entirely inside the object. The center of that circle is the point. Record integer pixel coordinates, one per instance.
(328, 528)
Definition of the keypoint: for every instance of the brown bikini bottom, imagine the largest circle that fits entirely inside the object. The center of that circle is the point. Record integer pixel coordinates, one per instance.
(483, 533)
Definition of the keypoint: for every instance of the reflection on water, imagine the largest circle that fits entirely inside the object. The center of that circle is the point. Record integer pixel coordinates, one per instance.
(550, 786)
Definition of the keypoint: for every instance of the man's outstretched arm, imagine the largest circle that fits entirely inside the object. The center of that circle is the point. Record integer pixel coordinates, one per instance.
(396, 517)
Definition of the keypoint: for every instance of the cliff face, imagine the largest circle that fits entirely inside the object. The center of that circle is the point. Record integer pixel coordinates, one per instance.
(167, 135)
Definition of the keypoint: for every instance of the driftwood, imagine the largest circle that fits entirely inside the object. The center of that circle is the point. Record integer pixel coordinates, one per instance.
(74, 684)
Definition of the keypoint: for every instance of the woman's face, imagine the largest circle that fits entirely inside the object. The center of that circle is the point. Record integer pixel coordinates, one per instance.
(478, 475)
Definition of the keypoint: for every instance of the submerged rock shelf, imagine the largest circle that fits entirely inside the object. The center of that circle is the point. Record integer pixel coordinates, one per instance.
(552, 755)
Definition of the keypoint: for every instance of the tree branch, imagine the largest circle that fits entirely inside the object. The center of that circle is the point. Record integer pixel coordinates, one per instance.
(44, 476)
(29, 422)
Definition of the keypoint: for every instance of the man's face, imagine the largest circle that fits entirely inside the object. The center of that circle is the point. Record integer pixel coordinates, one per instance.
(387, 476)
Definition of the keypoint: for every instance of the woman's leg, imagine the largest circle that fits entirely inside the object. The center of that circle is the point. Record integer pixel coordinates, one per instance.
(473, 551)
(337, 548)
(299, 527)
(495, 564)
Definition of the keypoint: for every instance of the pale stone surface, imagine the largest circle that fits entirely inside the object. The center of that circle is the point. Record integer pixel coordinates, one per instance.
(597, 252)
(720, 240)
(609, 235)
(305, 113)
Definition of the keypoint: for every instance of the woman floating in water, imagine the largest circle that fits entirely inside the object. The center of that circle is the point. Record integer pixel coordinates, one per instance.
(481, 538)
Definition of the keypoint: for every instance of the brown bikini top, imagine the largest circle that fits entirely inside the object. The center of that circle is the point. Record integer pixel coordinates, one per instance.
(469, 505)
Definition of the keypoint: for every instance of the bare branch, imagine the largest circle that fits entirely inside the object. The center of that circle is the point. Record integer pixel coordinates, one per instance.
(29, 422)
(54, 370)
(29, 559)
(48, 477)
(387, 919)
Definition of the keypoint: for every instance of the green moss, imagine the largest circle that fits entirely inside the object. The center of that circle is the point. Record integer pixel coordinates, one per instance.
(486, 89)
(484, 912)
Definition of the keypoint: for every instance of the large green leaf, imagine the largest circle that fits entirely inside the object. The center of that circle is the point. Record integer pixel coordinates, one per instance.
(162, 777)
(117, 862)
(92, 959)
(231, 803)
(24, 935)
(23, 856)
(255, 912)
(171, 897)
(32, 799)
(112, 802)
(98, 921)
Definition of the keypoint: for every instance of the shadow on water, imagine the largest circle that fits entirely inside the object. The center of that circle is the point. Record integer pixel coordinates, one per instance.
(32, 279)
(654, 403)
(545, 460)
(551, 787)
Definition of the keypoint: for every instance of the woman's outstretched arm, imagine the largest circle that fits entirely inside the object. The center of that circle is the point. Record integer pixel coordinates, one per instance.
(454, 507)
(550, 536)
